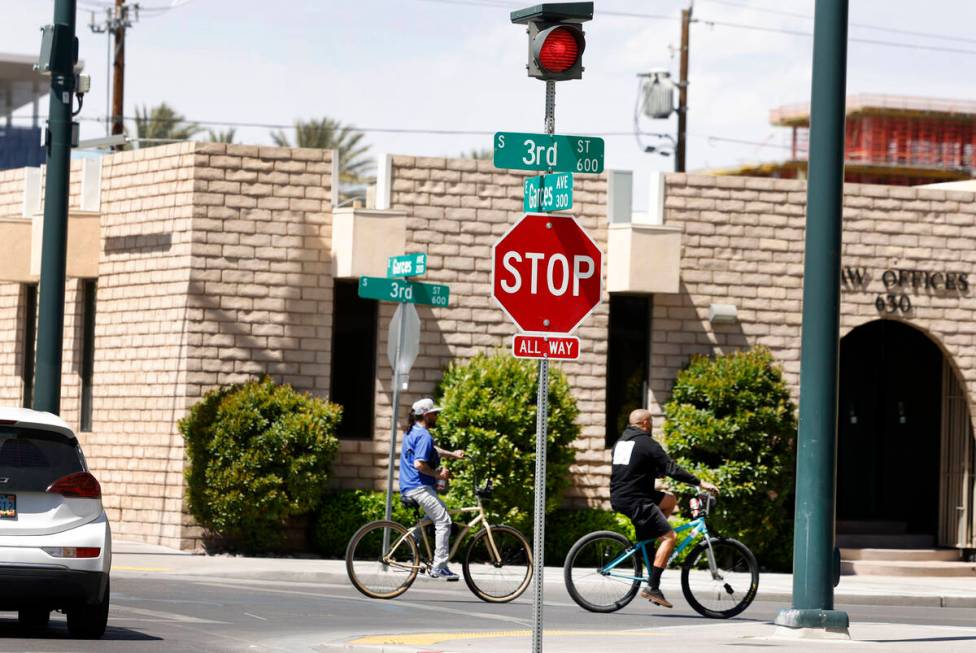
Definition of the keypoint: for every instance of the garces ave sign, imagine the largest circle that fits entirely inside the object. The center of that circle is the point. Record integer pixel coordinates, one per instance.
(546, 273)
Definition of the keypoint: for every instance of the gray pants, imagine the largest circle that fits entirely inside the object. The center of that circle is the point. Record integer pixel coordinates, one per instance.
(436, 511)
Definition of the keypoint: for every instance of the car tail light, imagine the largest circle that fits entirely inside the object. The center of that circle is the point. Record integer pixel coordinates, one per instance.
(72, 551)
(80, 484)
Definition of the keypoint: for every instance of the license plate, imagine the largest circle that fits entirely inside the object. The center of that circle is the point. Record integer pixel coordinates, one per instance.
(8, 506)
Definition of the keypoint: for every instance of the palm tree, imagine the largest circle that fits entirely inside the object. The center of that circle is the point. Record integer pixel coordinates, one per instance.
(479, 153)
(328, 134)
(162, 124)
(222, 136)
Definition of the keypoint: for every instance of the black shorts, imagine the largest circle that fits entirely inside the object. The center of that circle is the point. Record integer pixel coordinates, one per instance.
(646, 516)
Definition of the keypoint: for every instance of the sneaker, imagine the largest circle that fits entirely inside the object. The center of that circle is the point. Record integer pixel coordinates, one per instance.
(443, 573)
(655, 596)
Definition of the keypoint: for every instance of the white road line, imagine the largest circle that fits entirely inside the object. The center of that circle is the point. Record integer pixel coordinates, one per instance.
(163, 616)
(255, 616)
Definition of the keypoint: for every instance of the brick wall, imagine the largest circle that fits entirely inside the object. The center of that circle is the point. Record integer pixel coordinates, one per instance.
(743, 244)
(456, 210)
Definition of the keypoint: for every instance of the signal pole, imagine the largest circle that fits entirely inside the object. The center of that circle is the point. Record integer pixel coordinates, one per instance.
(60, 63)
(679, 154)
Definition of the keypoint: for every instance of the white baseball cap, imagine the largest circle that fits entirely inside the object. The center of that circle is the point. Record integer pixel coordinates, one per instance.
(424, 406)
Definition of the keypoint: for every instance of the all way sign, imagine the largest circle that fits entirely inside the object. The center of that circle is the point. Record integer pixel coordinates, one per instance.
(554, 347)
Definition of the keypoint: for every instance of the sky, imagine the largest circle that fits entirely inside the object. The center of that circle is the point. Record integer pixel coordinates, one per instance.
(459, 65)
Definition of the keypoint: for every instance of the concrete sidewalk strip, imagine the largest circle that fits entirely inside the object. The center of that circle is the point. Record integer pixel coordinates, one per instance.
(744, 636)
(138, 558)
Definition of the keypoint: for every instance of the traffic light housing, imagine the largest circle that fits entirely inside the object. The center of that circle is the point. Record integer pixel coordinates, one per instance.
(556, 40)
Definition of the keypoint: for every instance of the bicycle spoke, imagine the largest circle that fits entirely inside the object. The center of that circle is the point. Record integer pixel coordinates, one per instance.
(500, 577)
(378, 574)
(592, 585)
(735, 586)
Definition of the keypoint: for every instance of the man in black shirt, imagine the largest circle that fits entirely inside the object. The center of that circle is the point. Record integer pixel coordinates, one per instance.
(637, 461)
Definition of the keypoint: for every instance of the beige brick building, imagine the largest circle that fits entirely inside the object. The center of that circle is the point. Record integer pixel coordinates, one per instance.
(216, 262)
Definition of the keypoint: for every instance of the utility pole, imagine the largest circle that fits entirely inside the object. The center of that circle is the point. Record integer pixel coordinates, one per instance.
(814, 555)
(679, 155)
(59, 54)
(117, 21)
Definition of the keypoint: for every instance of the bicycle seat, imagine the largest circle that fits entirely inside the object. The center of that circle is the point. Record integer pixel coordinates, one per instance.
(486, 491)
(408, 502)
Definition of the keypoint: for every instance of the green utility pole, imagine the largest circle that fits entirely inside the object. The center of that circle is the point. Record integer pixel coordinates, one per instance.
(50, 327)
(816, 464)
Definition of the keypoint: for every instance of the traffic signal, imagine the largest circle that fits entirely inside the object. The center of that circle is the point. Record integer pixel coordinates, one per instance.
(556, 40)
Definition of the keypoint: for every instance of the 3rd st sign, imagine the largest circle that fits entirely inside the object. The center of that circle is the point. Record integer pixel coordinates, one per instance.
(546, 273)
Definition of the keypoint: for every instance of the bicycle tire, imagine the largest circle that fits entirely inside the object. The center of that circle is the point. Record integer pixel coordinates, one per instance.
(363, 557)
(506, 581)
(728, 553)
(583, 555)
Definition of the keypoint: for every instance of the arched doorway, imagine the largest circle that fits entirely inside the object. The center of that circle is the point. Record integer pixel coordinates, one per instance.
(890, 432)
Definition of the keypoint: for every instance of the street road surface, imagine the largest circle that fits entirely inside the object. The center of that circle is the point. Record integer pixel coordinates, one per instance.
(166, 614)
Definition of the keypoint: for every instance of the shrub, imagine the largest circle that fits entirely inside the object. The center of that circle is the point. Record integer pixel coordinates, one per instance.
(731, 421)
(259, 454)
(566, 525)
(489, 410)
(342, 513)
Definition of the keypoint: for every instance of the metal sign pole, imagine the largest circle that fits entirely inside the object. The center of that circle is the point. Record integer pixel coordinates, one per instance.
(388, 513)
(542, 410)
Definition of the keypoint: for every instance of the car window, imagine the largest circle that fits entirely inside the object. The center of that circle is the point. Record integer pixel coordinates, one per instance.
(32, 459)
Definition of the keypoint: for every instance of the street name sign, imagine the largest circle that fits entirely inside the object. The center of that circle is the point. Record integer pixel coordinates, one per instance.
(400, 290)
(551, 347)
(408, 265)
(518, 151)
(548, 192)
(546, 273)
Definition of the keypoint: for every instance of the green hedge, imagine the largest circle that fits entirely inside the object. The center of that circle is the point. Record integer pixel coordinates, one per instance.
(343, 513)
(259, 454)
(489, 410)
(731, 421)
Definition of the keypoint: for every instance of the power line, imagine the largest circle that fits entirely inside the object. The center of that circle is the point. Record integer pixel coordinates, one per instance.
(780, 30)
(879, 28)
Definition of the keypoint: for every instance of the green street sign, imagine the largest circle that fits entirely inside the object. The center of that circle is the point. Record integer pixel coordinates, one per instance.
(409, 265)
(548, 192)
(544, 152)
(405, 292)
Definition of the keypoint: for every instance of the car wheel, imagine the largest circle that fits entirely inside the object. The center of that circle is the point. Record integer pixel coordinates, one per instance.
(33, 618)
(88, 620)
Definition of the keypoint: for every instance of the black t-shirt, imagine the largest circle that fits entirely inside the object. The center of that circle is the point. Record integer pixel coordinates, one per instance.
(637, 461)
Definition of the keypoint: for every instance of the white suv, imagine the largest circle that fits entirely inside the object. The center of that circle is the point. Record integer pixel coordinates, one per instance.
(55, 540)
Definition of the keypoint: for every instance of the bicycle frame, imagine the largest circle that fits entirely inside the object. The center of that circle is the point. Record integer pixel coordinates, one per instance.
(697, 528)
(421, 527)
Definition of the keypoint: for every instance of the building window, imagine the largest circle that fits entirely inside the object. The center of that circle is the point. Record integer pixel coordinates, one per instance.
(29, 342)
(628, 354)
(89, 289)
(353, 359)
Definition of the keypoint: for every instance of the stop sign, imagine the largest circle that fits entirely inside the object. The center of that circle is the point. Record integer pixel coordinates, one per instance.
(546, 274)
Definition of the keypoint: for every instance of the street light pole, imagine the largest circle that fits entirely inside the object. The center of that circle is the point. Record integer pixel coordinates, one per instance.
(679, 151)
(50, 325)
(816, 464)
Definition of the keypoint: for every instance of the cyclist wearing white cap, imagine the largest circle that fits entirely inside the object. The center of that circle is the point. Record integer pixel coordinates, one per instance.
(420, 469)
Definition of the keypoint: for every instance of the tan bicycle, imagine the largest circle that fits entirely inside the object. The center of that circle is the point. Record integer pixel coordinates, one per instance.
(497, 562)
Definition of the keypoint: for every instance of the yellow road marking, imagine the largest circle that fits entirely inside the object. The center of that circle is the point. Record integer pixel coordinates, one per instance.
(125, 568)
(427, 639)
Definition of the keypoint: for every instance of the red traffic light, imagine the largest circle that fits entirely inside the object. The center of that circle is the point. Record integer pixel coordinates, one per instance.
(559, 51)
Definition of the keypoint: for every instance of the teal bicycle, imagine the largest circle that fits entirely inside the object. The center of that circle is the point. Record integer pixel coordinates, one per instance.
(719, 576)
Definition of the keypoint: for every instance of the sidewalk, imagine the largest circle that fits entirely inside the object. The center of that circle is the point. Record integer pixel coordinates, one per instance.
(136, 558)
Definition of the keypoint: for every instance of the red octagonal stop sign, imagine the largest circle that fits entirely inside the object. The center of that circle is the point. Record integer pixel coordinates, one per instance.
(546, 274)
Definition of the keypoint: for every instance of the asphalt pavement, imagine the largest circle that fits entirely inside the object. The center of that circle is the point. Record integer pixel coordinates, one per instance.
(167, 601)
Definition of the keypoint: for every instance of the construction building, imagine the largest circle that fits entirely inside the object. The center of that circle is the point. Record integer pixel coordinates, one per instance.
(891, 140)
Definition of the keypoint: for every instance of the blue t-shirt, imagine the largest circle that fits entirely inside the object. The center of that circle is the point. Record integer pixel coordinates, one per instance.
(417, 445)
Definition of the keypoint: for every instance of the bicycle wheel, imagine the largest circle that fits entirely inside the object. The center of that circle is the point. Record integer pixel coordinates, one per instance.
(503, 578)
(382, 576)
(591, 585)
(731, 589)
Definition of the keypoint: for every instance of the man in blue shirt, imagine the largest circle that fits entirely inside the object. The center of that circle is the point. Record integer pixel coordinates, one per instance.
(420, 470)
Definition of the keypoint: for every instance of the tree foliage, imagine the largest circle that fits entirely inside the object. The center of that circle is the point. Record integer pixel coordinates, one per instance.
(161, 124)
(731, 421)
(328, 134)
(489, 410)
(259, 454)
